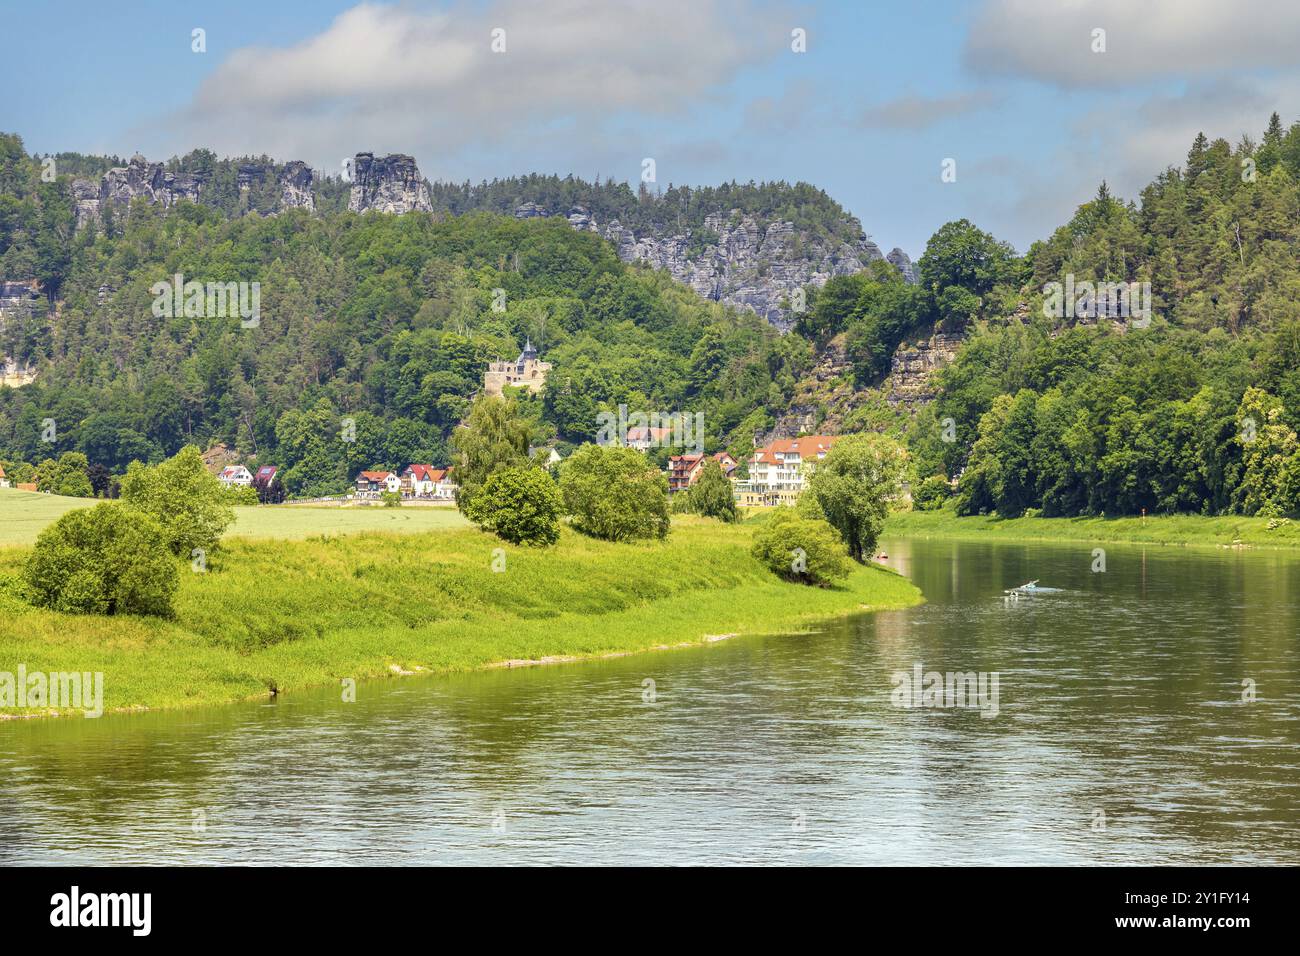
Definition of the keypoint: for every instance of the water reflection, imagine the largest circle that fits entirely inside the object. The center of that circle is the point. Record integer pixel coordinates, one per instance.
(1121, 706)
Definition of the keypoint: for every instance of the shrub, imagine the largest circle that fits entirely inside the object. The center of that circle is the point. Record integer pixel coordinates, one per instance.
(520, 504)
(188, 503)
(711, 495)
(804, 549)
(931, 493)
(391, 499)
(614, 493)
(242, 495)
(103, 560)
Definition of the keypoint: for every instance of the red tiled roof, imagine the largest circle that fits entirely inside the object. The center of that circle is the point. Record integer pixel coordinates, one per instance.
(375, 475)
(809, 446)
(422, 472)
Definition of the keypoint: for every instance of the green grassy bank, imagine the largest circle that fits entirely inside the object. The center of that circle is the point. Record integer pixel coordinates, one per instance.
(287, 615)
(1164, 529)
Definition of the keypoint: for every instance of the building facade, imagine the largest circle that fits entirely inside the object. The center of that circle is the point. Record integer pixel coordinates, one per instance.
(778, 473)
(528, 371)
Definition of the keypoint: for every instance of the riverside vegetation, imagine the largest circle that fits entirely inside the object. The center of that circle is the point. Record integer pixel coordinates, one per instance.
(364, 605)
(283, 616)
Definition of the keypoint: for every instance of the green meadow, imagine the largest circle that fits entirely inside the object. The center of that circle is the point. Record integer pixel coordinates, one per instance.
(283, 615)
(24, 514)
(1187, 530)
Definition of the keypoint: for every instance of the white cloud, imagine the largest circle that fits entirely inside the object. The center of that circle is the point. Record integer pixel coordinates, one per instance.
(913, 112)
(1127, 140)
(392, 78)
(1053, 41)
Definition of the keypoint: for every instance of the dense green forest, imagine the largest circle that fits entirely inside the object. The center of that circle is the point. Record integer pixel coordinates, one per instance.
(672, 211)
(390, 321)
(1197, 412)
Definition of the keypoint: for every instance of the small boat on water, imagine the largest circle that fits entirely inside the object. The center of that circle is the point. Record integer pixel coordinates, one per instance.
(1025, 588)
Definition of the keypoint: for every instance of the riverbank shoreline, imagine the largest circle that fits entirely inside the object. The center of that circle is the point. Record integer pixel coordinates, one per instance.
(276, 617)
(1232, 531)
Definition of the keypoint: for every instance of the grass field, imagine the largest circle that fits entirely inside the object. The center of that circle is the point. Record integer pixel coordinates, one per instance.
(24, 514)
(287, 615)
(1164, 529)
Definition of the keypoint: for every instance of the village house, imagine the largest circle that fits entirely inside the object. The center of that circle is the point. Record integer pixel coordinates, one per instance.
(425, 481)
(685, 470)
(4, 482)
(417, 481)
(235, 475)
(643, 439)
(444, 486)
(265, 475)
(778, 473)
(545, 456)
(528, 371)
(372, 483)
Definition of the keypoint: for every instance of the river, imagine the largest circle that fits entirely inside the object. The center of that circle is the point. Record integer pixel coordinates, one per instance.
(1125, 732)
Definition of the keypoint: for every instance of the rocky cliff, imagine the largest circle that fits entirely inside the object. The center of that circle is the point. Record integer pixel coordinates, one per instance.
(296, 186)
(154, 183)
(738, 259)
(390, 184)
(911, 370)
(900, 261)
(150, 181)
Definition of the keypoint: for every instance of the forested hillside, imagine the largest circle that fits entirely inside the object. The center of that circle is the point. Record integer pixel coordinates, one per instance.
(1197, 412)
(387, 320)
(390, 320)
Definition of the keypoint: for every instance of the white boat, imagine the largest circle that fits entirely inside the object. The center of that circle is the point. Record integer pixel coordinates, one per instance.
(1031, 586)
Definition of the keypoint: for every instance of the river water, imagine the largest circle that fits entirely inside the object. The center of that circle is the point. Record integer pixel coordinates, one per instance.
(1124, 732)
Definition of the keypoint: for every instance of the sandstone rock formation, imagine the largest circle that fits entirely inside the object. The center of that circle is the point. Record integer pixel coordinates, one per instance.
(150, 181)
(295, 186)
(85, 196)
(900, 261)
(734, 258)
(912, 369)
(141, 179)
(390, 184)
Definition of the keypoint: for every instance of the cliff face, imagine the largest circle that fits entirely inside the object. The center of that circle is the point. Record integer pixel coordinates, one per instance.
(737, 259)
(151, 181)
(295, 186)
(390, 184)
(141, 179)
(900, 261)
(911, 370)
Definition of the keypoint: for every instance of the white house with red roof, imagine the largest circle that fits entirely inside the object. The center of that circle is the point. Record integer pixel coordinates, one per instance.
(419, 481)
(235, 475)
(778, 473)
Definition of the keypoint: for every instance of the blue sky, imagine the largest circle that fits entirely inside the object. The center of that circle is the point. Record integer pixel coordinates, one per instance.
(1014, 91)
